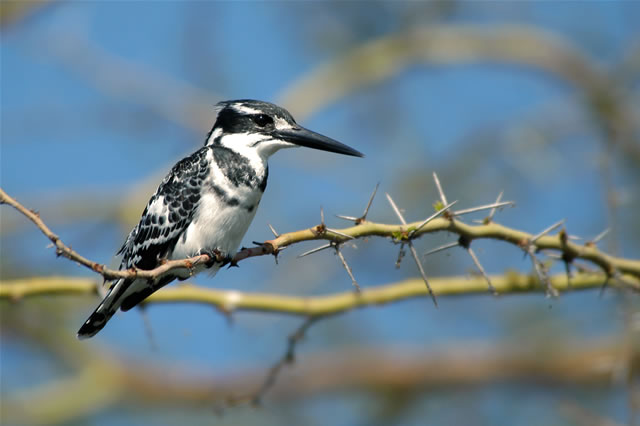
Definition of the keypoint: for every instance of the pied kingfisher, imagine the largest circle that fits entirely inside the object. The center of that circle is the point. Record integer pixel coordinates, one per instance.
(207, 201)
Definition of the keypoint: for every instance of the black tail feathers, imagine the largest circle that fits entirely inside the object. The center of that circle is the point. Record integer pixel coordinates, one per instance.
(124, 295)
(103, 313)
(96, 322)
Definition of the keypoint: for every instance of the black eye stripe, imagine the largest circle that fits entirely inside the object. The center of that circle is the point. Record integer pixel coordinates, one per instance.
(262, 120)
(232, 121)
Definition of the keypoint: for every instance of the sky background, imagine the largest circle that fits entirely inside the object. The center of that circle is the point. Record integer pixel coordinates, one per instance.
(100, 99)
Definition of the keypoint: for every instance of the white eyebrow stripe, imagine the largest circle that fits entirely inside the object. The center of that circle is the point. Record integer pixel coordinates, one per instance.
(246, 109)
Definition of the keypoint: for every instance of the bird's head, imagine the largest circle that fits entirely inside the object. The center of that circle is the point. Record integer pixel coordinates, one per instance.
(248, 125)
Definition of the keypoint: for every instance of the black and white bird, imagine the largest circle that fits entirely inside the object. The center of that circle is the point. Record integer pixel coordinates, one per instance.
(208, 200)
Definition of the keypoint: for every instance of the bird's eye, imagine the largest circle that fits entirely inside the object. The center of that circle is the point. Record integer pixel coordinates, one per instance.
(262, 120)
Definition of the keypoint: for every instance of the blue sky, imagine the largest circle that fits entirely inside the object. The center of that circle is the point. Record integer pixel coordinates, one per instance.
(69, 128)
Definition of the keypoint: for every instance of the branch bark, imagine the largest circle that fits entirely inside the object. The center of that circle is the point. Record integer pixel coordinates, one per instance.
(332, 304)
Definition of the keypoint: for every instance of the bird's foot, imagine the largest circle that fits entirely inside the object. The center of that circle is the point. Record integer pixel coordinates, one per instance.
(215, 256)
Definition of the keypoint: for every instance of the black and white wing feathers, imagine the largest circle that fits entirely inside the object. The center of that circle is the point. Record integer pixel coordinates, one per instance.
(167, 215)
(164, 221)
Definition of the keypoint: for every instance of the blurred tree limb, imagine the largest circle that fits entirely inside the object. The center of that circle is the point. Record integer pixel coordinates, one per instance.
(373, 62)
(397, 369)
(380, 59)
(14, 11)
(120, 77)
(232, 300)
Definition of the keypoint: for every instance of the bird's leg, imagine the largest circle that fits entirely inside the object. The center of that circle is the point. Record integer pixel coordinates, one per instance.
(215, 256)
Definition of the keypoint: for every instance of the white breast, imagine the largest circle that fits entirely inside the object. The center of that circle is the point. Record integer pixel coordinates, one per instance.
(216, 224)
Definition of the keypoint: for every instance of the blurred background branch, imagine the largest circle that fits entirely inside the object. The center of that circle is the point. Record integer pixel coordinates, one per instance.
(229, 301)
(451, 45)
(109, 380)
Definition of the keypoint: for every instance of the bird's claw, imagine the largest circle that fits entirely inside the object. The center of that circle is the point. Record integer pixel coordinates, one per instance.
(215, 256)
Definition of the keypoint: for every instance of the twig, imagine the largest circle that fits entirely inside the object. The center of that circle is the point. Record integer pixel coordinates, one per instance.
(541, 272)
(481, 269)
(538, 267)
(414, 253)
(359, 220)
(348, 268)
(322, 228)
(272, 375)
(401, 254)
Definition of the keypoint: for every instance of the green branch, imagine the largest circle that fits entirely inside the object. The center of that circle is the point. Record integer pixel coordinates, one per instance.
(231, 300)
(558, 242)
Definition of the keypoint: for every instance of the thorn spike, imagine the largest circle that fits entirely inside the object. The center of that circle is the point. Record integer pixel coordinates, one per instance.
(395, 209)
(315, 250)
(493, 210)
(483, 207)
(443, 198)
(348, 268)
(548, 230)
(433, 216)
(366, 210)
(275, 234)
(441, 248)
(482, 271)
(600, 236)
(414, 253)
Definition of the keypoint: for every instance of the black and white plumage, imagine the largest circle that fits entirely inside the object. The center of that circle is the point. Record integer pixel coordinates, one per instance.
(208, 200)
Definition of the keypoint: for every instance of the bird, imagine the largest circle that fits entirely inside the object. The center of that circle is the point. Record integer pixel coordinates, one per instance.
(207, 201)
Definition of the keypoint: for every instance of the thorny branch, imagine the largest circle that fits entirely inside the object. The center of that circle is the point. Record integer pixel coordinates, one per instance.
(611, 265)
(336, 245)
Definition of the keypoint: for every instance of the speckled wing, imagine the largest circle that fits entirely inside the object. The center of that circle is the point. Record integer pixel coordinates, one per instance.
(167, 215)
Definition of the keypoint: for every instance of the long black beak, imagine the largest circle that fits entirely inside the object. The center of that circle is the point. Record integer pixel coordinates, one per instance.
(304, 137)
